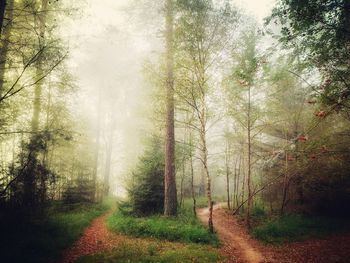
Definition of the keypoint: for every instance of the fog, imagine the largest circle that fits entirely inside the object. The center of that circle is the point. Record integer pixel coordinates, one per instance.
(110, 41)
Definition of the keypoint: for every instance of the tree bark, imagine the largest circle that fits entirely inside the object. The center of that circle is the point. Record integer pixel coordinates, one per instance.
(5, 40)
(30, 188)
(203, 134)
(97, 148)
(249, 203)
(227, 175)
(2, 14)
(192, 185)
(170, 194)
(107, 172)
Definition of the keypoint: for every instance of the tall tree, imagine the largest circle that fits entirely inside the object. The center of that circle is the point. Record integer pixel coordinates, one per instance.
(202, 34)
(242, 88)
(321, 30)
(2, 13)
(5, 41)
(109, 152)
(170, 194)
(30, 177)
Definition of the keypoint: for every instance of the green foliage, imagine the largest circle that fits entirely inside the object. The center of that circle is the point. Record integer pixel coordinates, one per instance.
(296, 227)
(157, 252)
(184, 228)
(43, 239)
(317, 30)
(146, 190)
(81, 190)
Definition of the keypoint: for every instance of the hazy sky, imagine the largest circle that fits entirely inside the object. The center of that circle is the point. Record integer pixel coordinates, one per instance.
(107, 53)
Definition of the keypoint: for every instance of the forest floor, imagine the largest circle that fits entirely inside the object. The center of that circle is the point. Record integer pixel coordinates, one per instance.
(95, 239)
(237, 244)
(239, 247)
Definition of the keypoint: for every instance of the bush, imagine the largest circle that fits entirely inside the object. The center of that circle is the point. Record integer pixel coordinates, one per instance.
(146, 190)
(184, 228)
(43, 240)
(296, 227)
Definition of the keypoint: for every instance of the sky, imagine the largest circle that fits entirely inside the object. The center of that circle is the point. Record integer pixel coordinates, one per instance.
(107, 54)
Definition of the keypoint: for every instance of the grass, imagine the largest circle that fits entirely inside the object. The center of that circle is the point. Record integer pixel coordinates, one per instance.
(291, 228)
(202, 201)
(44, 239)
(184, 228)
(157, 252)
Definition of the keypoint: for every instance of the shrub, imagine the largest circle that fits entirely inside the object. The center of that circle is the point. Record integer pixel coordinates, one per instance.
(296, 227)
(146, 190)
(184, 228)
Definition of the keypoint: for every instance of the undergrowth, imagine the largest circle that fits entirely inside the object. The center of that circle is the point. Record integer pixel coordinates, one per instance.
(44, 239)
(156, 252)
(185, 227)
(291, 228)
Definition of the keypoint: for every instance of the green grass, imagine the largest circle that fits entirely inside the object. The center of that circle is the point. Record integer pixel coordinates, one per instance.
(157, 252)
(202, 201)
(44, 239)
(296, 227)
(185, 227)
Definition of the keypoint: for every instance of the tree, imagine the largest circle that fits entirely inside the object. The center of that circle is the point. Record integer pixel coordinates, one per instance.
(30, 176)
(320, 30)
(170, 194)
(146, 183)
(2, 13)
(202, 34)
(242, 88)
(5, 41)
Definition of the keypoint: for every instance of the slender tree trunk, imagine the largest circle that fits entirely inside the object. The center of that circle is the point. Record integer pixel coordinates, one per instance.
(234, 195)
(227, 175)
(30, 188)
(107, 173)
(243, 184)
(237, 182)
(182, 195)
(249, 203)
(5, 40)
(170, 194)
(285, 186)
(2, 14)
(192, 185)
(97, 148)
(203, 134)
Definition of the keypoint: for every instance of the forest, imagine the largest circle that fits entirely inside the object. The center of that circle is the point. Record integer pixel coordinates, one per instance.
(175, 131)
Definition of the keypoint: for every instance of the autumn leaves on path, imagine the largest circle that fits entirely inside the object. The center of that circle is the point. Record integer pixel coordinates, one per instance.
(236, 244)
(239, 247)
(95, 239)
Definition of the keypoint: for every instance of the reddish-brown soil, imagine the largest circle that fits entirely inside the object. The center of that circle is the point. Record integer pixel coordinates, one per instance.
(237, 244)
(239, 247)
(95, 239)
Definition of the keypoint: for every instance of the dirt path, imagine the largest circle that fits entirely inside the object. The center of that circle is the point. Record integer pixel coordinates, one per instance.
(237, 244)
(96, 238)
(241, 248)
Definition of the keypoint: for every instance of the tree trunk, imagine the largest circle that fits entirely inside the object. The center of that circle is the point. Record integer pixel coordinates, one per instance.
(2, 14)
(203, 134)
(30, 188)
(5, 40)
(192, 185)
(107, 173)
(227, 175)
(243, 184)
(170, 194)
(97, 148)
(237, 182)
(249, 203)
(235, 186)
(285, 186)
